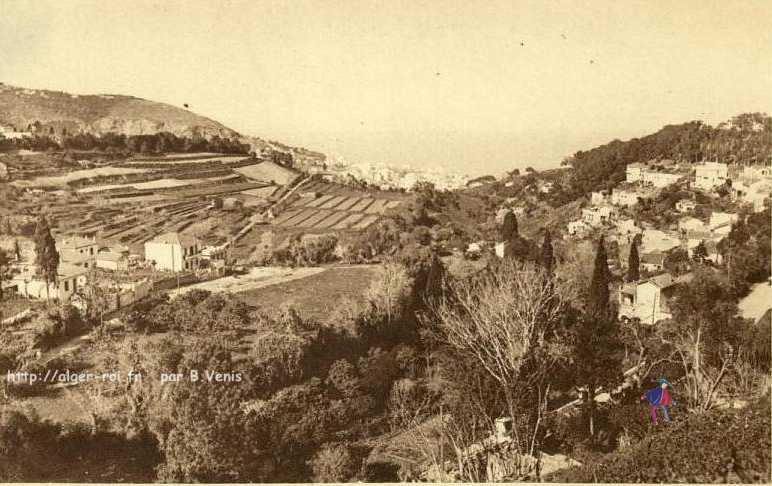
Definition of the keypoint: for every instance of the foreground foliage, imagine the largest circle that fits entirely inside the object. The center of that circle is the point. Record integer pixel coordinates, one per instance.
(720, 446)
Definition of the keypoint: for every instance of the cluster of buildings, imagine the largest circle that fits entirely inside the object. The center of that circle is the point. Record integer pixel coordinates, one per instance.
(79, 258)
(648, 298)
(752, 185)
(395, 177)
(660, 177)
(10, 132)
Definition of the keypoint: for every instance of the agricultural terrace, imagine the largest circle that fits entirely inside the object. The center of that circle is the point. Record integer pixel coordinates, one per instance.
(134, 200)
(326, 206)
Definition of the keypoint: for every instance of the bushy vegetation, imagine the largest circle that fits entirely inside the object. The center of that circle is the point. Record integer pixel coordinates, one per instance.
(157, 143)
(36, 450)
(720, 446)
(302, 250)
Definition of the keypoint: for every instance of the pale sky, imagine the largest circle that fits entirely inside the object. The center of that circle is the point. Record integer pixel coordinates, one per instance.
(476, 86)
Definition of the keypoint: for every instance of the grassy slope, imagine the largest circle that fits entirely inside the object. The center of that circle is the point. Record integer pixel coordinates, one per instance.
(316, 296)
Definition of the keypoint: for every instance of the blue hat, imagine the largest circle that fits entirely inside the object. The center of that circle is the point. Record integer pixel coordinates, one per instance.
(660, 381)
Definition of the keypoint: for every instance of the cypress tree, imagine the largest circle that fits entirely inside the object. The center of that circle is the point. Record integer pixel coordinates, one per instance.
(547, 255)
(46, 255)
(597, 347)
(598, 301)
(633, 264)
(509, 227)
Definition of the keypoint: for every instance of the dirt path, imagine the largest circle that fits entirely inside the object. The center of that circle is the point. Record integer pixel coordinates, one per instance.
(257, 277)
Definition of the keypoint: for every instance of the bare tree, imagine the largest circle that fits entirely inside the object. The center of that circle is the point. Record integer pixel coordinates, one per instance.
(502, 318)
(390, 291)
(704, 333)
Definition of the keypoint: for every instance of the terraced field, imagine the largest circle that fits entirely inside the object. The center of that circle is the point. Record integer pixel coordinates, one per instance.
(336, 207)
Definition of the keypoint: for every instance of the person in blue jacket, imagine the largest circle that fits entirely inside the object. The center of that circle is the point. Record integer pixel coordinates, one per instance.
(659, 397)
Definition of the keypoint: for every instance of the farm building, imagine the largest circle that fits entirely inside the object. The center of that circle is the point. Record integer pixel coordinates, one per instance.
(173, 251)
(111, 260)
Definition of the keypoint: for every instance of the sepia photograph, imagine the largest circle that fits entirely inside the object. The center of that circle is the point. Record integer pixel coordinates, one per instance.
(385, 241)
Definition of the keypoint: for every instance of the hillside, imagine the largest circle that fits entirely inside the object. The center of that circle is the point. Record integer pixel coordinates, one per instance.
(43, 111)
(745, 139)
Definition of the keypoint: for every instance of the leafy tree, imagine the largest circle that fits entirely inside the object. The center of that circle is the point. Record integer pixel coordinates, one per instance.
(700, 252)
(676, 261)
(633, 264)
(206, 438)
(46, 254)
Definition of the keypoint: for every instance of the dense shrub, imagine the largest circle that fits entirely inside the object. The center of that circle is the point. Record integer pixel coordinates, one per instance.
(307, 250)
(723, 445)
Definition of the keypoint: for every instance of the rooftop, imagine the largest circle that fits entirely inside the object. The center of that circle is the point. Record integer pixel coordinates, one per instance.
(654, 257)
(110, 256)
(66, 270)
(174, 238)
(74, 242)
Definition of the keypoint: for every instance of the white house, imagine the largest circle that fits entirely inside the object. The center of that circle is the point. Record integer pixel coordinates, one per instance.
(545, 187)
(753, 173)
(653, 261)
(596, 216)
(577, 227)
(710, 175)
(77, 251)
(648, 300)
(173, 251)
(718, 219)
(112, 260)
(660, 179)
(753, 193)
(626, 197)
(685, 205)
(69, 279)
(9, 132)
(634, 172)
(690, 224)
(598, 197)
(626, 229)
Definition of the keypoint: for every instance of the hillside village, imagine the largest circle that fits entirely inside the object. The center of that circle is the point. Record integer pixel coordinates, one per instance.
(157, 253)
